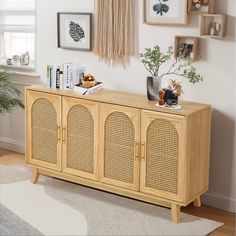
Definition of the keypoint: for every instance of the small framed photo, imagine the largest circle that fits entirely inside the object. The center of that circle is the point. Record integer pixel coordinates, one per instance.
(74, 30)
(167, 12)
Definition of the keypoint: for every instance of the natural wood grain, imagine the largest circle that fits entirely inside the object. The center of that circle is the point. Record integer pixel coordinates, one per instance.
(15, 160)
(55, 100)
(197, 202)
(203, 25)
(124, 99)
(35, 176)
(93, 109)
(175, 211)
(134, 116)
(193, 40)
(210, 7)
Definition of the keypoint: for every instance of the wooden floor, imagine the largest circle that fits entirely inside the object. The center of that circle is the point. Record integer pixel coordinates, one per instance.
(17, 160)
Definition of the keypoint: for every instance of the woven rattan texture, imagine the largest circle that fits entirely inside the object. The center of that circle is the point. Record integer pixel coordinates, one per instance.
(119, 147)
(80, 139)
(44, 131)
(162, 156)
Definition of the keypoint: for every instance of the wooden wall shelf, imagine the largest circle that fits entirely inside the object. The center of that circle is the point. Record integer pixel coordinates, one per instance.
(209, 21)
(189, 45)
(207, 7)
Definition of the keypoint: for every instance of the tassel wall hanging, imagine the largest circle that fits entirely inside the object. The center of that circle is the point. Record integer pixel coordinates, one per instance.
(114, 31)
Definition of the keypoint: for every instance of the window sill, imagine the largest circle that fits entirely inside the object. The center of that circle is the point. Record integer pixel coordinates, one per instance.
(19, 70)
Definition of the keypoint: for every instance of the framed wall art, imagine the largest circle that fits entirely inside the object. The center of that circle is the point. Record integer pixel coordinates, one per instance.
(168, 12)
(74, 30)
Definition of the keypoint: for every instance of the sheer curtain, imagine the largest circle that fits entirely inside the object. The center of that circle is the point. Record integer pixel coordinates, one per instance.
(114, 30)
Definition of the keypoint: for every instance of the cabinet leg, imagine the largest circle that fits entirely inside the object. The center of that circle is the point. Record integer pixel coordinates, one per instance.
(35, 175)
(197, 202)
(175, 211)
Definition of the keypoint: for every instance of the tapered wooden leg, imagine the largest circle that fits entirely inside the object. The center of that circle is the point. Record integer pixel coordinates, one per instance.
(175, 211)
(197, 202)
(35, 175)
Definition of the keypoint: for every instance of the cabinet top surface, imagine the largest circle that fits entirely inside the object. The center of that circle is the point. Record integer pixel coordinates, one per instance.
(124, 99)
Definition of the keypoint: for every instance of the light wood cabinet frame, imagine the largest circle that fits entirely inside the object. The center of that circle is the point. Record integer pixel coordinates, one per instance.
(55, 100)
(180, 124)
(93, 108)
(192, 124)
(134, 116)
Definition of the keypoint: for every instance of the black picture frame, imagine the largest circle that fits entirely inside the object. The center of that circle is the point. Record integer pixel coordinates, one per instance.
(74, 30)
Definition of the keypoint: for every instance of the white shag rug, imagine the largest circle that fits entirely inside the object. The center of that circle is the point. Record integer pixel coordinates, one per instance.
(55, 207)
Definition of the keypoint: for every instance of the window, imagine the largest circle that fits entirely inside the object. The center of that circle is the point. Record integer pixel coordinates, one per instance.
(17, 30)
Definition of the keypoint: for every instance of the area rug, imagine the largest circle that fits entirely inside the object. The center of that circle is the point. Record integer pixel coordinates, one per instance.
(55, 207)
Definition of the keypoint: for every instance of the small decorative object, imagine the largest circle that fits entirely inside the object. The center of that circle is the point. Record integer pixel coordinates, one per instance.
(9, 62)
(74, 30)
(165, 12)
(88, 81)
(212, 31)
(161, 97)
(152, 60)
(201, 6)
(172, 93)
(217, 27)
(26, 58)
(15, 59)
(22, 60)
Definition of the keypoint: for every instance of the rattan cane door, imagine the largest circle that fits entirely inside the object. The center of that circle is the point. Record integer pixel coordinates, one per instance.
(43, 122)
(119, 149)
(80, 137)
(162, 153)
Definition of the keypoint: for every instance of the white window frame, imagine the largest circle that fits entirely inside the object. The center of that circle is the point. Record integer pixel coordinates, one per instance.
(19, 29)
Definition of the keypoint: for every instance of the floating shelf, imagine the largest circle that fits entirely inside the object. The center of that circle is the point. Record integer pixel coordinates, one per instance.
(189, 46)
(213, 25)
(207, 6)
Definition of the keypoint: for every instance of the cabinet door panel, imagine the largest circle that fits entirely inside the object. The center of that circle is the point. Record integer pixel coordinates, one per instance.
(43, 127)
(163, 165)
(80, 130)
(120, 133)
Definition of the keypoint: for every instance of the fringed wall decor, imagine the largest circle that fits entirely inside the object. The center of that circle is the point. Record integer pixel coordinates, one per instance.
(114, 30)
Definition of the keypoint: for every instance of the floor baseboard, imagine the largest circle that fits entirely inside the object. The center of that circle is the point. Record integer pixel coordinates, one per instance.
(219, 201)
(12, 145)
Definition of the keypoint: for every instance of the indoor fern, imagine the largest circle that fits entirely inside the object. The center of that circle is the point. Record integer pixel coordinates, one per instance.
(9, 95)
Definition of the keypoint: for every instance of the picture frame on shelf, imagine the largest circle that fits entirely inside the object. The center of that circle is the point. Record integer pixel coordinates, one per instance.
(165, 12)
(74, 30)
(187, 46)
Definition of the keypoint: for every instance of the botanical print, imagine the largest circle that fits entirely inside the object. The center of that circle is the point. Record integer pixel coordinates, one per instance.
(164, 8)
(76, 31)
(161, 7)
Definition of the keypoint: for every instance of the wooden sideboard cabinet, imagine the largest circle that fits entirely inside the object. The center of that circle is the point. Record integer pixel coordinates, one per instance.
(121, 143)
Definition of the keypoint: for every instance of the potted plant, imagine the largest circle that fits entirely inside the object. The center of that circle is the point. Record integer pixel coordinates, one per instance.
(9, 95)
(154, 58)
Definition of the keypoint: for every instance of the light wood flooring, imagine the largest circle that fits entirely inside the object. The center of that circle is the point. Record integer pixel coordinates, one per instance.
(9, 158)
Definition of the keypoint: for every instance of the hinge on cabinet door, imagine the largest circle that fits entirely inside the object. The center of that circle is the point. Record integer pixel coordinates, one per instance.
(136, 149)
(63, 134)
(58, 133)
(143, 151)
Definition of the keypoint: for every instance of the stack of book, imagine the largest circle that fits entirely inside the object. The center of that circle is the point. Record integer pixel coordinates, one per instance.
(68, 77)
(64, 76)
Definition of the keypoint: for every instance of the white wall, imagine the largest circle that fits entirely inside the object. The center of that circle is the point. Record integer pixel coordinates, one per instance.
(217, 66)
